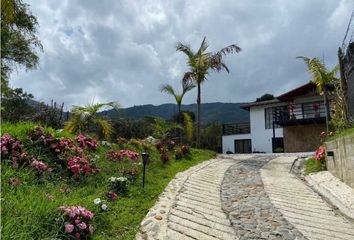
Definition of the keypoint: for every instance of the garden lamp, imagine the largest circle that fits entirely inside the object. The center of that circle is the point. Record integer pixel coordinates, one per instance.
(145, 157)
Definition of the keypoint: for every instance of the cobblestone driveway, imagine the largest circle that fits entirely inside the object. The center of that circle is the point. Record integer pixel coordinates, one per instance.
(243, 197)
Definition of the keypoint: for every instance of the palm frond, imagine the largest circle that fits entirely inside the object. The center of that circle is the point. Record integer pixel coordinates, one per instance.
(106, 127)
(233, 48)
(203, 47)
(167, 88)
(190, 76)
(186, 49)
(187, 86)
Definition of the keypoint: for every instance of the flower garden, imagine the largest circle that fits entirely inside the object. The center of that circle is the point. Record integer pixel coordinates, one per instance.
(56, 185)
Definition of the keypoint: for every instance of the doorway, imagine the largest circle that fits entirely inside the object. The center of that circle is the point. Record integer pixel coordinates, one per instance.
(243, 146)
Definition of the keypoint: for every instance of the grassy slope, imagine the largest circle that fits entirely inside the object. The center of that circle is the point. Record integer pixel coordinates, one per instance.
(27, 213)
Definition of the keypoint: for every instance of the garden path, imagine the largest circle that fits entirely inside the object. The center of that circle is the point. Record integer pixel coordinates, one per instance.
(243, 197)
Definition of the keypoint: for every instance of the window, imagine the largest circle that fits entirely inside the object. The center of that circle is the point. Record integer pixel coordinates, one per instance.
(269, 117)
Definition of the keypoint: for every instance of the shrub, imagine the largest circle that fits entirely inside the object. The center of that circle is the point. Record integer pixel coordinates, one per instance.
(179, 154)
(320, 153)
(119, 184)
(185, 149)
(13, 150)
(131, 172)
(86, 142)
(77, 222)
(170, 145)
(79, 166)
(114, 156)
(130, 154)
(40, 166)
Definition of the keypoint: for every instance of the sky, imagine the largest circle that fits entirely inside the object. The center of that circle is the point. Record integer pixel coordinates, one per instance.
(124, 50)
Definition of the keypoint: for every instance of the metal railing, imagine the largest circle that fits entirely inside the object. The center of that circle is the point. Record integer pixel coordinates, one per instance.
(299, 113)
(236, 128)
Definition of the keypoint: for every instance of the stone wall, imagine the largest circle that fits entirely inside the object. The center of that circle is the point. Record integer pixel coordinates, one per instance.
(302, 138)
(341, 164)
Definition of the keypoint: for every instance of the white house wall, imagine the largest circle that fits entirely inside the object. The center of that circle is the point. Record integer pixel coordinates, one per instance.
(228, 141)
(261, 137)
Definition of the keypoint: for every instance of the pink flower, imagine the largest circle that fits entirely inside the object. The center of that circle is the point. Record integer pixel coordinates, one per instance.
(82, 226)
(320, 153)
(69, 228)
(112, 195)
(77, 235)
(90, 228)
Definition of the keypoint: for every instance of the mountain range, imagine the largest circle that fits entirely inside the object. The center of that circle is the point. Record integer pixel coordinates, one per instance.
(210, 112)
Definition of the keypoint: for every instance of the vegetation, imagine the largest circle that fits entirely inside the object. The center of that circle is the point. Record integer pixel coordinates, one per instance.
(87, 119)
(312, 165)
(186, 87)
(39, 196)
(343, 133)
(265, 97)
(200, 63)
(19, 41)
(322, 78)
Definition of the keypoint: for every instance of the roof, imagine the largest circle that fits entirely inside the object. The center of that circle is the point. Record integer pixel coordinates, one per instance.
(307, 88)
(247, 106)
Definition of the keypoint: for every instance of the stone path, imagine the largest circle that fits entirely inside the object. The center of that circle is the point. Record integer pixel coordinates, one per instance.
(242, 197)
(301, 206)
(249, 208)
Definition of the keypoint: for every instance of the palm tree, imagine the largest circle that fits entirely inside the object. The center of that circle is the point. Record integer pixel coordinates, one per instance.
(321, 77)
(186, 86)
(84, 118)
(200, 63)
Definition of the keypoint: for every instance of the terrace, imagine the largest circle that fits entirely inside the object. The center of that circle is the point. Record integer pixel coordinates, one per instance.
(299, 114)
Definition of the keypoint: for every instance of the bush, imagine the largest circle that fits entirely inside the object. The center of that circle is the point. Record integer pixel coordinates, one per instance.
(119, 184)
(77, 222)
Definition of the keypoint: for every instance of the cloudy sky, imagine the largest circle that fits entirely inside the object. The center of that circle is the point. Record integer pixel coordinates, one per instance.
(123, 50)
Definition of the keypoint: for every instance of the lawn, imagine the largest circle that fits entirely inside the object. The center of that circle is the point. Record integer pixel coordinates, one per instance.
(30, 210)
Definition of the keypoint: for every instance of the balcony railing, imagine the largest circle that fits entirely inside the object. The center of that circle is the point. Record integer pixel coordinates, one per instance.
(236, 128)
(295, 114)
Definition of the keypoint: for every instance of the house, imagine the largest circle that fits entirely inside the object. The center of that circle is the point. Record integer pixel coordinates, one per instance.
(292, 122)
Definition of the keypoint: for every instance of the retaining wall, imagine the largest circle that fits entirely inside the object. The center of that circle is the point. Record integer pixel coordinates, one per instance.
(341, 164)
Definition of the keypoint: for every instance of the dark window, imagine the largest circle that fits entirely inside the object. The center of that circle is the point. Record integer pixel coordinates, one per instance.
(243, 146)
(269, 117)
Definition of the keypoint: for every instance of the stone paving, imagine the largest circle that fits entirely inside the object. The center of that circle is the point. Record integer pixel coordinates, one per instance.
(250, 210)
(301, 206)
(242, 197)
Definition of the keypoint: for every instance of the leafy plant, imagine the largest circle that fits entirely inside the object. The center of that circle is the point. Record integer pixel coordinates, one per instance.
(186, 87)
(200, 63)
(87, 119)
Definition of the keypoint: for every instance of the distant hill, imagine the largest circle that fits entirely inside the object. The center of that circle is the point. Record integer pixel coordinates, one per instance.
(222, 112)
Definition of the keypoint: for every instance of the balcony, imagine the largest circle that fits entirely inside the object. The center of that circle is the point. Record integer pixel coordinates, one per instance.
(300, 114)
(236, 128)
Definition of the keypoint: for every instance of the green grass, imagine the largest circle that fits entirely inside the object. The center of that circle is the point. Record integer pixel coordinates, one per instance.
(346, 132)
(27, 213)
(312, 165)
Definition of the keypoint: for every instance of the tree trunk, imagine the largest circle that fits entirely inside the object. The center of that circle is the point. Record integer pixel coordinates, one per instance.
(343, 87)
(325, 99)
(198, 114)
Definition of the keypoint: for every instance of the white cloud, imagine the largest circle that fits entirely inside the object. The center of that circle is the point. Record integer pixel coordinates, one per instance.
(123, 50)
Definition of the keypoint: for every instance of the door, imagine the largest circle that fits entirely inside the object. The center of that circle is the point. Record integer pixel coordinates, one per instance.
(278, 145)
(243, 146)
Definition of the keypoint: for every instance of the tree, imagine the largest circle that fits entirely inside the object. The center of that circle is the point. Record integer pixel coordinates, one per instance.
(14, 106)
(265, 97)
(200, 63)
(19, 41)
(87, 119)
(186, 86)
(322, 78)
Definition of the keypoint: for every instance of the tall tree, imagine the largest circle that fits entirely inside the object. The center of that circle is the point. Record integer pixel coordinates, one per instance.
(321, 76)
(85, 119)
(186, 86)
(200, 63)
(19, 41)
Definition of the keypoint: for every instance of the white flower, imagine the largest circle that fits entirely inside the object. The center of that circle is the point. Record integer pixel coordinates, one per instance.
(113, 179)
(97, 201)
(122, 179)
(105, 143)
(104, 207)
